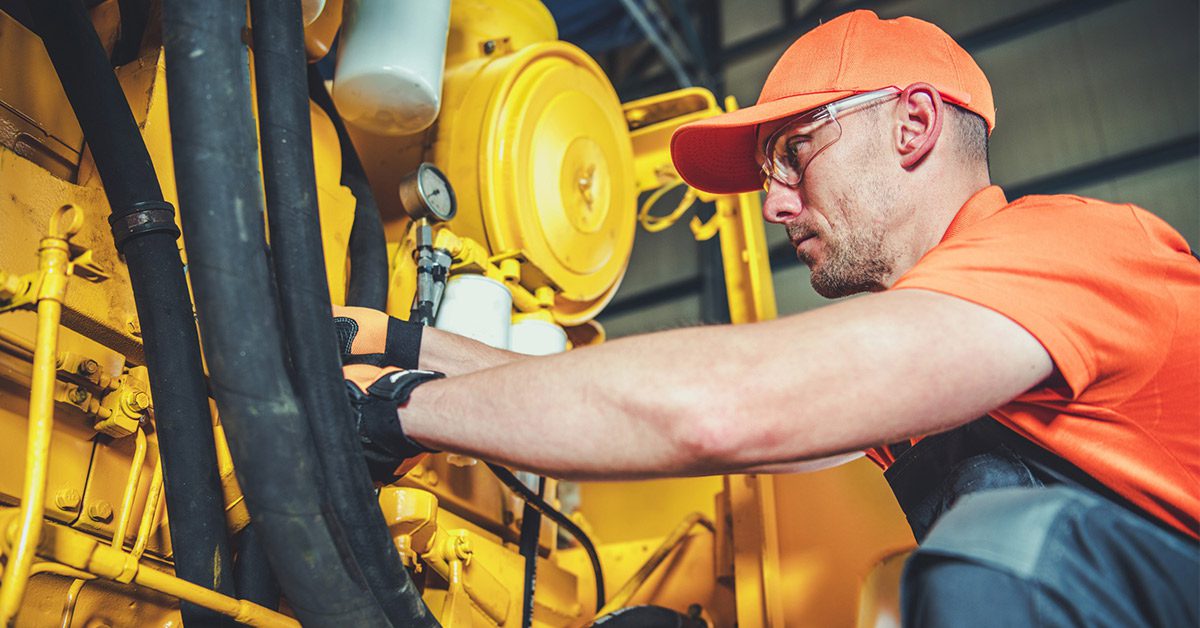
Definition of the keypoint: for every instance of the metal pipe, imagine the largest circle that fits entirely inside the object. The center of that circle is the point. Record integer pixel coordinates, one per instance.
(638, 13)
(635, 582)
(131, 487)
(74, 554)
(72, 598)
(150, 513)
(54, 268)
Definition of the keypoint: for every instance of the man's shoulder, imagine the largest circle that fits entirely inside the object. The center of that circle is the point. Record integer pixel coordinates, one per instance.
(1067, 207)
(1069, 217)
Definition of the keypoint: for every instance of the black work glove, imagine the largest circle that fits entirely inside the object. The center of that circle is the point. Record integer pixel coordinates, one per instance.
(367, 336)
(376, 394)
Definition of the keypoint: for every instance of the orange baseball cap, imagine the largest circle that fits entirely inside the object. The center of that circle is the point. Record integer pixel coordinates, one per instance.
(854, 53)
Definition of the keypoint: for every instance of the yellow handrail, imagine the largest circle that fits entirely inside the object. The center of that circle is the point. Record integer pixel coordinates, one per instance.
(54, 260)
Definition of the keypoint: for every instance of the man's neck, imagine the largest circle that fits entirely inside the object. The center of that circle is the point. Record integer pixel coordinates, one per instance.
(930, 217)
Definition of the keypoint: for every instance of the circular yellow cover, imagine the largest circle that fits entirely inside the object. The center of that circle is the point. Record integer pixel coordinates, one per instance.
(556, 175)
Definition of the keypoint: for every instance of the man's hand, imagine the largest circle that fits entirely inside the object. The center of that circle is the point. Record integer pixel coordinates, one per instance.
(367, 336)
(376, 394)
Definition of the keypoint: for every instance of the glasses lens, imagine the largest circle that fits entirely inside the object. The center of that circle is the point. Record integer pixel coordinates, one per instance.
(791, 148)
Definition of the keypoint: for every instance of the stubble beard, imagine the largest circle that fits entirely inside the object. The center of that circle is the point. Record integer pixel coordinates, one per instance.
(855, 260)
(853, 264)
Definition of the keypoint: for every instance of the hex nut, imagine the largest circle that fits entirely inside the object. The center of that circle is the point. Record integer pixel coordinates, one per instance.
(100, 511)
(77, 395)
(68, 499)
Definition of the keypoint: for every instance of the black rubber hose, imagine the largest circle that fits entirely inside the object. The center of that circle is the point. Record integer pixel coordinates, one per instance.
(220, 198)
(299, 262)
(368, 285)
(527, 545)
(145, 231)
(539, 504)
(252, 570)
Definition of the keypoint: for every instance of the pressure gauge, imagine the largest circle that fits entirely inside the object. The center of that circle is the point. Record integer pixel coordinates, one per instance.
(426, 193)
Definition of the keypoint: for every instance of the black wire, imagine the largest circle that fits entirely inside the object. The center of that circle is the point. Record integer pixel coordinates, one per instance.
(531, 498)
(531, 527)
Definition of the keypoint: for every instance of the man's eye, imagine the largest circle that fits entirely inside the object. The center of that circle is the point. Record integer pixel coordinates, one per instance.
(797, 146)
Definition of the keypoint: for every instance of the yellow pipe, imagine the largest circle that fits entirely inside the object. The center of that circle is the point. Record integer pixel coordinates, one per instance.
(16, 343)
(131, 488)
(80, 577)
(72, 597)
(54, 268)
(117, 565)
(149, 513)
(635, 582)
(75, 554)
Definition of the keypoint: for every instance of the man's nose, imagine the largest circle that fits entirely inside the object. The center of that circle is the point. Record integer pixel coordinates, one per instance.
(782, 203)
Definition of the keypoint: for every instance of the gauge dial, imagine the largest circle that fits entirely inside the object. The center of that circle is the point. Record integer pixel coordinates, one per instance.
(426, 193)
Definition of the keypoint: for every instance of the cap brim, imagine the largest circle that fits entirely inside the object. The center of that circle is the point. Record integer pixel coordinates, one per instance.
(717, 155)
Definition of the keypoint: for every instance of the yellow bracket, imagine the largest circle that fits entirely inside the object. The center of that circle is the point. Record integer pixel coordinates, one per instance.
(411, 515)
(505, 267)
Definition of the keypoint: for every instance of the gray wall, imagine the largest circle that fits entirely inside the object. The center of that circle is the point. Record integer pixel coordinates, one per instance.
(1104, 84)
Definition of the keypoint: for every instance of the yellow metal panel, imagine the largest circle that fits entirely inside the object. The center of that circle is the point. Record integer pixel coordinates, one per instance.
(36, 120)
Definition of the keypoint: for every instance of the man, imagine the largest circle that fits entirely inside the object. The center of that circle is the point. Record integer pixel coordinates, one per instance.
(1071, 325)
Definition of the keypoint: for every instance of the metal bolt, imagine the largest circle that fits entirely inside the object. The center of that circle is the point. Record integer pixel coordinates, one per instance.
(10, 285)
(88, 368)
(100, 511)
(135, 328)
(489, 46)
(77, 395)
(67, 499)
(431, 477)
(140, 401)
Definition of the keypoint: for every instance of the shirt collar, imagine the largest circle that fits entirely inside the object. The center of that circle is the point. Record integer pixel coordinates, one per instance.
(981, 205)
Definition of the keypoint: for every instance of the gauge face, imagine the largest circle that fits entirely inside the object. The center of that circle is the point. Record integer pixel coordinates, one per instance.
(436, 193)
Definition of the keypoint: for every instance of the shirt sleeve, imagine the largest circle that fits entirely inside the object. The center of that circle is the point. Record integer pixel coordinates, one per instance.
(1076, 276)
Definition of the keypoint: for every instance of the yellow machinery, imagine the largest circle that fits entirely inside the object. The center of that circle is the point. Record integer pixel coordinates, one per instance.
(547, 166)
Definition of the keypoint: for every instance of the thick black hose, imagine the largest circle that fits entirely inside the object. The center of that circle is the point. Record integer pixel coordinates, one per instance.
(220, 198)
(252, 570)
(299, 262)
(368, 285)
(539, 504)
(172, 349)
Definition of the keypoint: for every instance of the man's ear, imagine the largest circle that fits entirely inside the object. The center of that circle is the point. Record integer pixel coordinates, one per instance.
(919, 115)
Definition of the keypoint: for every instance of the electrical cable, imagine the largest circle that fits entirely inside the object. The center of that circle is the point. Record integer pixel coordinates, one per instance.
(531, 498)
(531, 529)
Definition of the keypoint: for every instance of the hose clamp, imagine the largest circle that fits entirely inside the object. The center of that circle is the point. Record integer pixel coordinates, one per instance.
(141, 218)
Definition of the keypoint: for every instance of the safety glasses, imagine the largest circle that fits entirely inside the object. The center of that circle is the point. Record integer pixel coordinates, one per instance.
(788, 151)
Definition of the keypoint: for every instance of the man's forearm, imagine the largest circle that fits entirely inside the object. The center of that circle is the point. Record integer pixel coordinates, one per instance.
(453, 354)
(728, 398)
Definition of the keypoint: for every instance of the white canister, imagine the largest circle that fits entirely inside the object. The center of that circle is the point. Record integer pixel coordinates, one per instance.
(536, 337)
(391, 56)
(476, 307)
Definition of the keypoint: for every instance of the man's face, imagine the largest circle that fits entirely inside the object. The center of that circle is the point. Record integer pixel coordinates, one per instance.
(838, 217)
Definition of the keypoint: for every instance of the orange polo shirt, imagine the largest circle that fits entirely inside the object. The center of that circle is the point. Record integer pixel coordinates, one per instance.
(1113, 294)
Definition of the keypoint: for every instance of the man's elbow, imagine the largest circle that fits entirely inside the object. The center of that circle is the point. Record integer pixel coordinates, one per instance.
(709, 437)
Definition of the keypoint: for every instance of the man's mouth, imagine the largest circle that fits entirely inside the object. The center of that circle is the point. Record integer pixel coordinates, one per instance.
(798, 240)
